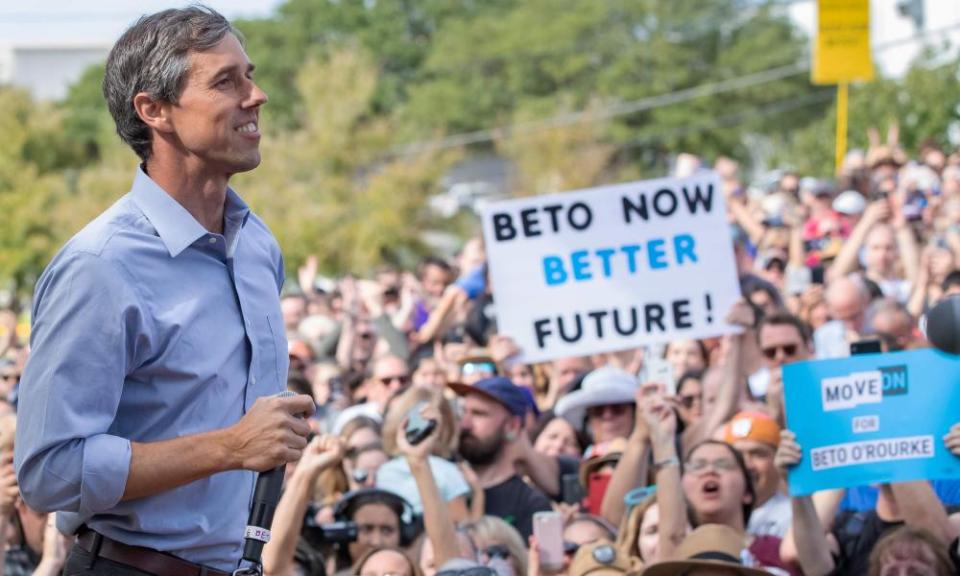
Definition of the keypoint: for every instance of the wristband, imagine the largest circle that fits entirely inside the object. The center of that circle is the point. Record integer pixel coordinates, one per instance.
(665, 463)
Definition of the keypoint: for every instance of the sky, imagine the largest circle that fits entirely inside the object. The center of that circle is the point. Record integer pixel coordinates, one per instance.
(69, 22)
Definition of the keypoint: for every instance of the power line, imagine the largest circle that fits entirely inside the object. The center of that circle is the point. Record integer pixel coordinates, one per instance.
(626, 108)
(770, 109)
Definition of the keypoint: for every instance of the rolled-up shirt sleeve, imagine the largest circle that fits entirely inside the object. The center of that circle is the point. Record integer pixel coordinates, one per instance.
(88, 331)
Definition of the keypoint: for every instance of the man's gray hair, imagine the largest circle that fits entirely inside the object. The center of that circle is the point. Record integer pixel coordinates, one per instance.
(152, 56)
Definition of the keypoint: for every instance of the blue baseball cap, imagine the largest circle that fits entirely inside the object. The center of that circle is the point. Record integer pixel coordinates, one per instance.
(501, 390)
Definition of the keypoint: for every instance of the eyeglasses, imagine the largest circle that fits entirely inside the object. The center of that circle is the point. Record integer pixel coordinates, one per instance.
(497, 551)
(475, 571)
(387, 380)
(570, 548)
(720, 465)
(612, 409)
(788, 351)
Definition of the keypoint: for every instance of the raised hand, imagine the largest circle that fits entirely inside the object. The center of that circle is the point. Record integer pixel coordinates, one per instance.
(321, 453)
(952, 439)
(307, 274)
(502, 348)
(9, 492)
(657, 415)
(742, 314)
(788, 453)
(421, 452)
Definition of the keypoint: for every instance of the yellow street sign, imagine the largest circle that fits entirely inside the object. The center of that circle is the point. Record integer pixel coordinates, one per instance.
(841, 51)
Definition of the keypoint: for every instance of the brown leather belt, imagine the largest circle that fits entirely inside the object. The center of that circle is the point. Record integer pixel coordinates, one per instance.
(145, 559)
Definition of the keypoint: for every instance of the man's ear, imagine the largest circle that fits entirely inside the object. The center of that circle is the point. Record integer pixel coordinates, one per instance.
(513, 427)
(154, 113)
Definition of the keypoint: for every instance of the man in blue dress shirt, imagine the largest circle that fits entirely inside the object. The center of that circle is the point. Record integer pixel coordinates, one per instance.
(145, 408)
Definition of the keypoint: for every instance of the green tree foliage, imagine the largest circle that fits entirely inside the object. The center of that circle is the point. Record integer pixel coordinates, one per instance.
(353, 83)
(925, 104)
(323, 187)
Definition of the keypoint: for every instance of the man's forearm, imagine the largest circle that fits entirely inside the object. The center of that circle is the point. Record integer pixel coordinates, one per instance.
(157, 467)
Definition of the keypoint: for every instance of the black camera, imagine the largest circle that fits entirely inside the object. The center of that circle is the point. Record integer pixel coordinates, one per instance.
(321, 535)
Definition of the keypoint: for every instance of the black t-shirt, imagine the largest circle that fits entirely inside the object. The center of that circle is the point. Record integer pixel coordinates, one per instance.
(857, 533)
(515, 501)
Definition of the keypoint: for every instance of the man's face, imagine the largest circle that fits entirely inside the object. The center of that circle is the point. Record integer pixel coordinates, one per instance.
(782, 344)
(482, 430)
(881, 254)
(566, 370)
(759, 460)
(216, 121)
(390, 376)
(377, 526)
(848, 308)
(435, 280)
(895, 326)
(294, 310)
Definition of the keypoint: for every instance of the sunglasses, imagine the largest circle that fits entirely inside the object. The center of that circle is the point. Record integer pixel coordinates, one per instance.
(612, 409)
(788, 351)
(497, 551)
(387, 380)
(688, 401)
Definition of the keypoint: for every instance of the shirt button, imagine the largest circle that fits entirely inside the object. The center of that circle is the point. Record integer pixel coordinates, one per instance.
(213, 240)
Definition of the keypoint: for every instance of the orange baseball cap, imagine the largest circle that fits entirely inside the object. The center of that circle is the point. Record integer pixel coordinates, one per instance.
(752, 426)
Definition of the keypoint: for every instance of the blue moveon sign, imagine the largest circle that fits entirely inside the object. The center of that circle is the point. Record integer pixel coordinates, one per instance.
(870, 419)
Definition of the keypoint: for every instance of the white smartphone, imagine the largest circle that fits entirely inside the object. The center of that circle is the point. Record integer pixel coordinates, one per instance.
(660, 370)
(548, 528)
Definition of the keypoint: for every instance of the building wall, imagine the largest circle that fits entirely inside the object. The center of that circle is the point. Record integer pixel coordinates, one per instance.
(48, 72)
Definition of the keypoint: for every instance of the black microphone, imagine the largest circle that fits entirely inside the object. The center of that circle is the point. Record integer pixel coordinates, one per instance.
(941, 325)
(266, 496)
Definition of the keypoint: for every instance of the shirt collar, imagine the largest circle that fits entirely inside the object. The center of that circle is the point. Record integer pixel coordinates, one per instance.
(176, 227)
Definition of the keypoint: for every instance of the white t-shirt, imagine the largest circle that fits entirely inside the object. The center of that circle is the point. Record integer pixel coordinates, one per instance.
(395, 477)
(773, 518)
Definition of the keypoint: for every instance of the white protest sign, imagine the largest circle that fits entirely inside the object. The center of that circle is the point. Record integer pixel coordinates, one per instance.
(612, 268)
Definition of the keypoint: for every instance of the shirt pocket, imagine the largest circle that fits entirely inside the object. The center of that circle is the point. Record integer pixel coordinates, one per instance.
(271, 348)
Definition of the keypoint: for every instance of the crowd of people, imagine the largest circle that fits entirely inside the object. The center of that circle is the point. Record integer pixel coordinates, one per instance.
(646, 481)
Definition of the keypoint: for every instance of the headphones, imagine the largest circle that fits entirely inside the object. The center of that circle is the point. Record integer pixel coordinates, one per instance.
(410, 521)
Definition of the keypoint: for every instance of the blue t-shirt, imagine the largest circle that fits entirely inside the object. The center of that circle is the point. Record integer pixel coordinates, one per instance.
(864, 498)
(395, 477)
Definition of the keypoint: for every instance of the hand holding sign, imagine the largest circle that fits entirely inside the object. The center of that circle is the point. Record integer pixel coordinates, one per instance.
(788, 452)
(952, 439)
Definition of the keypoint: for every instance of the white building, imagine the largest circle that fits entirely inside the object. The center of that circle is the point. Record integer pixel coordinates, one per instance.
(48, 70)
